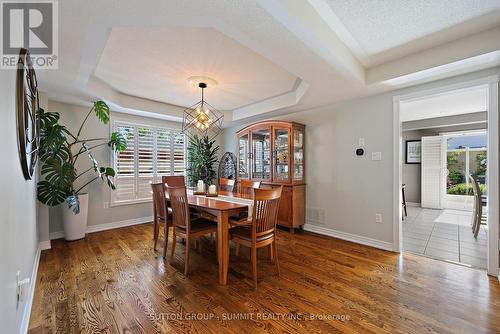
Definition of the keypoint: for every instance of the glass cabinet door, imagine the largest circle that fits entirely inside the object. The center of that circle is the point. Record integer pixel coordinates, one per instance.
(281, 155)
(298, 155)
(243, 157)
(261, 154)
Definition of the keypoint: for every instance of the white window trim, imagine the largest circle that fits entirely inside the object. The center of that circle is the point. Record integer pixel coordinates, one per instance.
(136, 125)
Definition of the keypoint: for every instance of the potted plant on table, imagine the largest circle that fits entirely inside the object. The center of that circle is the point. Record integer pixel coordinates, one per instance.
(60, 150)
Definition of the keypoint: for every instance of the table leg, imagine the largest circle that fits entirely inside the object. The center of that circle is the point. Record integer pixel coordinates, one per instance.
(223, 246)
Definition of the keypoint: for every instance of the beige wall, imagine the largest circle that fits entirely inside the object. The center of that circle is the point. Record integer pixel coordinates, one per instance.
(72, 116)
(411, 172)
(18, 222)
(351, 189)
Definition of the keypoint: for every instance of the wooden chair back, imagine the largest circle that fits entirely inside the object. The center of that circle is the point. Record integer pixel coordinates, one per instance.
(265, 210)
(159, 201)
(174, 180)
(180, 207)
(247, 186)
(226, 184)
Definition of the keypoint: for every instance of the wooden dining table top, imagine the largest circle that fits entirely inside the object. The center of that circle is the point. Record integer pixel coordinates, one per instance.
(214, 203)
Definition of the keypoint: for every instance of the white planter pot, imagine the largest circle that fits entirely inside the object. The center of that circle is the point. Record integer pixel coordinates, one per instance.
(75, 226)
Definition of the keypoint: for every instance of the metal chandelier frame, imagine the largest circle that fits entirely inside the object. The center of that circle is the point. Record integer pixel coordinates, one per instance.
(202, 119)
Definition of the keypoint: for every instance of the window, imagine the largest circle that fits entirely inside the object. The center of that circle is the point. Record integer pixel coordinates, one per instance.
(151, 153)
(466, 155)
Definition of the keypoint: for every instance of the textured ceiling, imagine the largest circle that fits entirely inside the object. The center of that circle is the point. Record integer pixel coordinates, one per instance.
(379, 25)
(154, 63)
(276, 46)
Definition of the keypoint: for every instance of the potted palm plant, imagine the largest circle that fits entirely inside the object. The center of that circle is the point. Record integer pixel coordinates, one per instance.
(201, 157)
(60, 150)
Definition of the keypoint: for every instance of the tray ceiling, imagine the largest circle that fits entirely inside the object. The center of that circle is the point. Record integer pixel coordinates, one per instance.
(155, 63)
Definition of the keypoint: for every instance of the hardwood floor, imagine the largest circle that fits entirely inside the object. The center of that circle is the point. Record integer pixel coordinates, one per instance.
(113, 282)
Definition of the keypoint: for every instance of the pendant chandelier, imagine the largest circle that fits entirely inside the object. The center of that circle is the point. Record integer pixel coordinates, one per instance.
(201, 119)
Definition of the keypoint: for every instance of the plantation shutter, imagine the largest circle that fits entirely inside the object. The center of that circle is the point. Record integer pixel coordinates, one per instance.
(125, 167)
(151, 153)
(163, 151)
(179, 148)
(145, 162)
(431, 172)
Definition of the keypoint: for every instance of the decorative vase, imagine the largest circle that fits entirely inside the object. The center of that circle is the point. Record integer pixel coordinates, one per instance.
(75, 225)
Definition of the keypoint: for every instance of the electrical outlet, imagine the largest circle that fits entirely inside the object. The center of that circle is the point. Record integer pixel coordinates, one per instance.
(378, 218)
(376, 156)
(106, 205)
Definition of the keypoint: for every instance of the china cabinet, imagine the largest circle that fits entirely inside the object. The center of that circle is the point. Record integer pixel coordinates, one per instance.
(273, 152)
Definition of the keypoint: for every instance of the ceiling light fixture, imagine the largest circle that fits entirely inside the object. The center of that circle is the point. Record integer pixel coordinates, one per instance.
(201, 119)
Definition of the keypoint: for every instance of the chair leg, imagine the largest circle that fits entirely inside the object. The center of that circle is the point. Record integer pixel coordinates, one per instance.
(186, 258)
(200, 245)
(216, 248)
(166, 242)
(275, 251)
(155, 233)
(271, 252)
(254, 266)
(237, 251)
(174, 241)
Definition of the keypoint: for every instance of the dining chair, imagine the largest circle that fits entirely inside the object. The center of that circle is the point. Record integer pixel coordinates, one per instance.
(261, 232)
(174, 180)
(477, 211)
(247, 186)
(161, 214)
(184, 226)
(404, 213)
(177, 181)
(226, 184)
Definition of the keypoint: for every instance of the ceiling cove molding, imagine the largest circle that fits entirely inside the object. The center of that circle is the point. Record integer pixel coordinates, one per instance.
(134, 105)
(138, 106)
(302, 20)
(282, 101)
(485, 44)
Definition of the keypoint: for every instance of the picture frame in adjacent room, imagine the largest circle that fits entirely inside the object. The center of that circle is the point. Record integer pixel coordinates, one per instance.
(413, 152)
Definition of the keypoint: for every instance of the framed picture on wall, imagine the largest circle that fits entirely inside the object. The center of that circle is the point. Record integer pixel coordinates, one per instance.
(413, 152)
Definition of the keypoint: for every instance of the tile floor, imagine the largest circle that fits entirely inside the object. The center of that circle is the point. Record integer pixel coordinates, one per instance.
(445, 235)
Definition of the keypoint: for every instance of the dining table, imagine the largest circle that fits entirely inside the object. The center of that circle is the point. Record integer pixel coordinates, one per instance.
(225, 205)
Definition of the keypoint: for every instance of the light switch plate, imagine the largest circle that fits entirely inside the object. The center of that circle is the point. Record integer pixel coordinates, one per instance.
(376, 156)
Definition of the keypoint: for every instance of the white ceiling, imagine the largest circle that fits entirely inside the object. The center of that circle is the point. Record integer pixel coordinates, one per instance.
(270, 57)
(162, 59)
(380, 25)
(457, 102)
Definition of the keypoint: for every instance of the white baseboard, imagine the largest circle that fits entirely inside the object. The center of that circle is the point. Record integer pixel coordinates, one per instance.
(31, 293)
(349, 237)
(415, 204)
(107, 226)
(44, 245)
